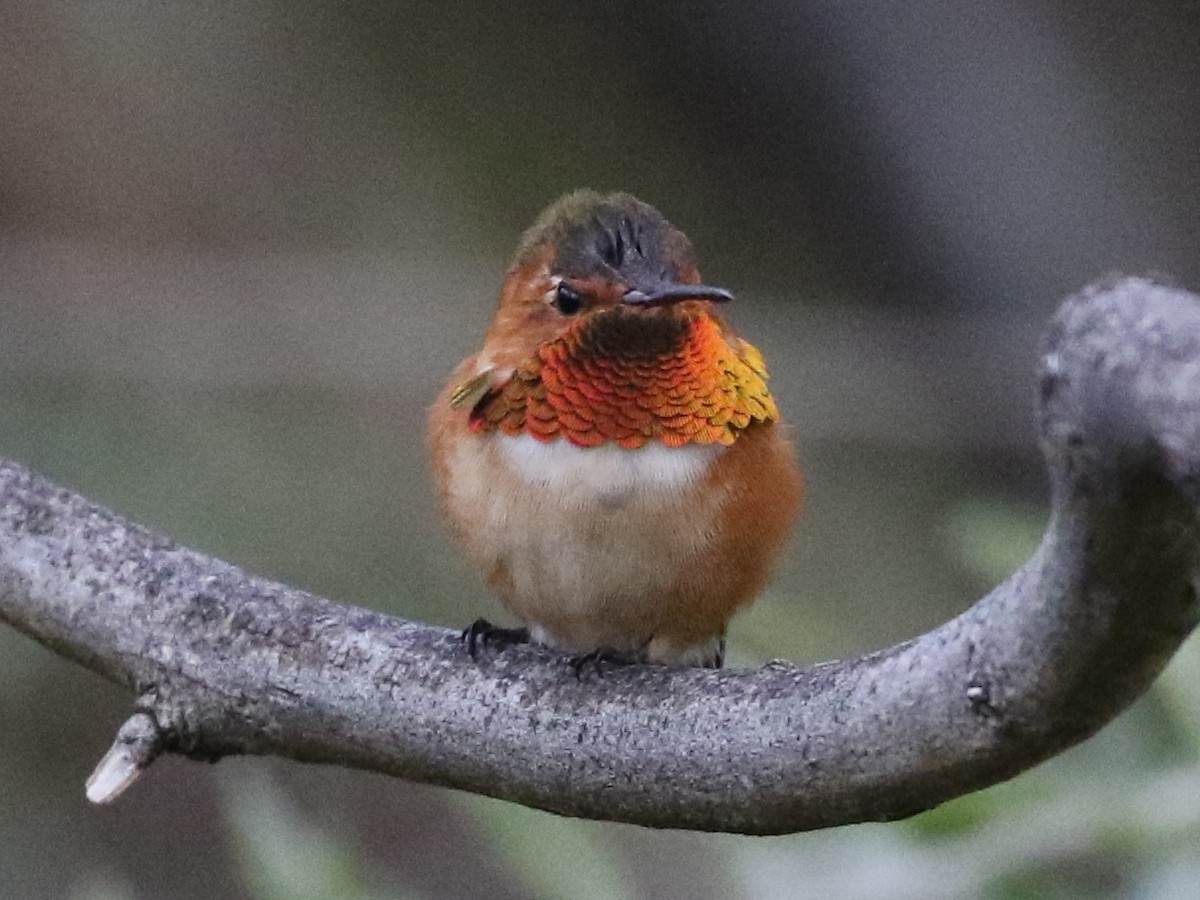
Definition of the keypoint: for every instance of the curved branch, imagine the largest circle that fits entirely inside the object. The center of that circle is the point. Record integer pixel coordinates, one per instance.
(223, 662)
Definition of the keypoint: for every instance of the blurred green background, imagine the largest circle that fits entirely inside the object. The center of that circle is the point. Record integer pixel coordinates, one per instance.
(241, 245)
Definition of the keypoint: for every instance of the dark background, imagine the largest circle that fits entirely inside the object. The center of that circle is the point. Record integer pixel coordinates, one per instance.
(241, 246)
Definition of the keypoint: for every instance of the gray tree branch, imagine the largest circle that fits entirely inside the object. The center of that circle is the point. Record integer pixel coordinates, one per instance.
(222, 662)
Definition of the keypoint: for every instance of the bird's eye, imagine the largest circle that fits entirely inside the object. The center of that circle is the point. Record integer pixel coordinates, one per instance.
(567, 300)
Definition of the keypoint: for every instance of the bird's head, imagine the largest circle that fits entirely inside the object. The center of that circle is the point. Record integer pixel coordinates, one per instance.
(604, 332)
(593, 262)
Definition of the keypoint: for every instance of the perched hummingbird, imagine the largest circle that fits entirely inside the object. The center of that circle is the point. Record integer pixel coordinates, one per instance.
(611, 459)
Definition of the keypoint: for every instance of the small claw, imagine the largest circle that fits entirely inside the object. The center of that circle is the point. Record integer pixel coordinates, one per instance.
(470, 635)
(480, 633)
(718, 658)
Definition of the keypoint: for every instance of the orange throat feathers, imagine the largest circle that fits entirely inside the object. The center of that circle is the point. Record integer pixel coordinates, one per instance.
(630, 377)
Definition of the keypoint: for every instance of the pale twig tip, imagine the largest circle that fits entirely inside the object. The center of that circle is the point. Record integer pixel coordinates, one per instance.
(137, 744)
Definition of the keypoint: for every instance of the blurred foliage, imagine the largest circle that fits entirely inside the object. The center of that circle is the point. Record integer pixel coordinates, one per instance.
(285, 856)
(553, 857)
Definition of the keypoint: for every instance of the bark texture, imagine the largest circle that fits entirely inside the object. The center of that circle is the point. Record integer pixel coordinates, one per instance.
(223, 662)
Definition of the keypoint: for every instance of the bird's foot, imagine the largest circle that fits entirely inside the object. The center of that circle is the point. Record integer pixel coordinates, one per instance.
(481, 634)
(596, 659)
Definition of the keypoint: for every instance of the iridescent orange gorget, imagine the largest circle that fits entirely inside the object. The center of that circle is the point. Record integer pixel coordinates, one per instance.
(629, 377)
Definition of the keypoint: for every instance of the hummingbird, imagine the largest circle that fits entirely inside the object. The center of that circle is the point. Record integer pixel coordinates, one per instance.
(612, 460)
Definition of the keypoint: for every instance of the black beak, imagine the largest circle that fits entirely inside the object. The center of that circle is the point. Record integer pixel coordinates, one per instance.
(673, 293)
